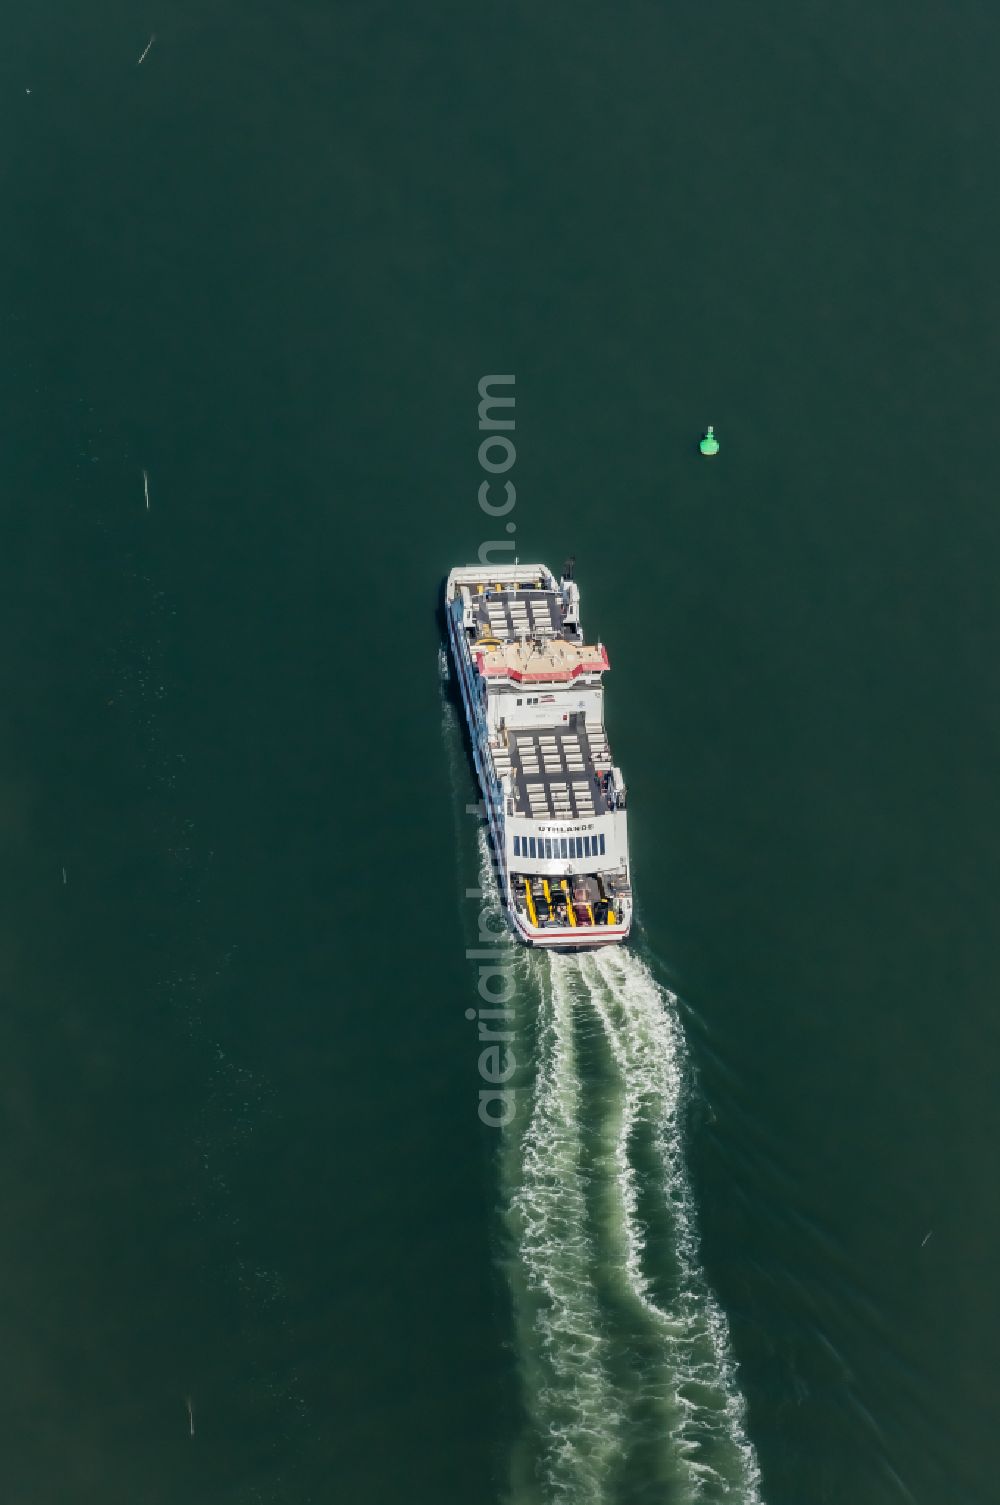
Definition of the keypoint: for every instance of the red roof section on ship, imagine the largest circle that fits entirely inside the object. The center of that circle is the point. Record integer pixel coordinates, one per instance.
(553, 676)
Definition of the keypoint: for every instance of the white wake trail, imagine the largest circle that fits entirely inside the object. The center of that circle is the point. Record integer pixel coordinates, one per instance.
(574, 1412)
(570, 1397)
(698, 1374)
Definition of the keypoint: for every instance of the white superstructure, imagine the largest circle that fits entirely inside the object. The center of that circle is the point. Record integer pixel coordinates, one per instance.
(534, 701)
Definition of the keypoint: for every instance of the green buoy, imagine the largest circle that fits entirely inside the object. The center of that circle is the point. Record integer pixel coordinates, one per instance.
(709, 445)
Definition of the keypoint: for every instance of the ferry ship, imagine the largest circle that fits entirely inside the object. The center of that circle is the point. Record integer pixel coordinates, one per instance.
(533, 694)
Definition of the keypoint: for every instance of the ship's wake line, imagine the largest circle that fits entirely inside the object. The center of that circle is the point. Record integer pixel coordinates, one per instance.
(693, 1375)
(647, 1375)
(563, 1350)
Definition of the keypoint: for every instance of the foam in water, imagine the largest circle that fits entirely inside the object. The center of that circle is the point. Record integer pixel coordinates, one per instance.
(572, 1403)
(644, 1035)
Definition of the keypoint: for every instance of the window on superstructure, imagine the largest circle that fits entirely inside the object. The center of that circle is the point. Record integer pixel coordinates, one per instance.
(586, 846)
(601, 840)
(517, 846)
(562, 848)
(531, 846)
(579, 846)
(548, 849)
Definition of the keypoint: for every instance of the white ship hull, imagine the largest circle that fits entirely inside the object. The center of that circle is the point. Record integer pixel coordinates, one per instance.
(554, 803)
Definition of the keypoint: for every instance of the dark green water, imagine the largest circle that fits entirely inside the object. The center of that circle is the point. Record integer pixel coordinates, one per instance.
(240, 1156)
